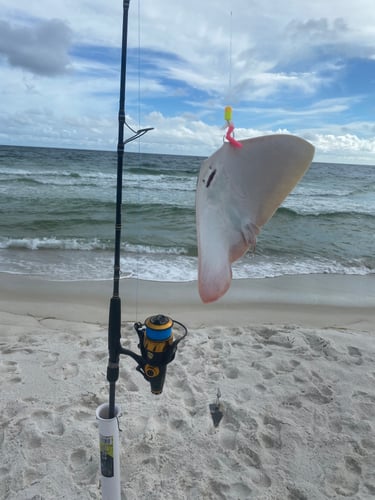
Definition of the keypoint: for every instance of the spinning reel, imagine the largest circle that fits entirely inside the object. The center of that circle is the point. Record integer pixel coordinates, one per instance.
(158, 348)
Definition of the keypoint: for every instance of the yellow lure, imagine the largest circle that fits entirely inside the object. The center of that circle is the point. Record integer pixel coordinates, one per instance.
(228, 113)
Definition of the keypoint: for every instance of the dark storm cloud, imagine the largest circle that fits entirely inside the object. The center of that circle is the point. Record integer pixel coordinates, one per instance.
(41, 49)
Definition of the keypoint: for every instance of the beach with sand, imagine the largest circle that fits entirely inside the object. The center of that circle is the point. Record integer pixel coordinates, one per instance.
(293, 358)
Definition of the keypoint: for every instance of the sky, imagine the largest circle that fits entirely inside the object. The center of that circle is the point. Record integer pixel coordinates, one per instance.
(299, 67)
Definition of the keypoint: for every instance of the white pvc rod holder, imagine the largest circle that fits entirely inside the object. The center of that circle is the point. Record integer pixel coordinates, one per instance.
(109, 452)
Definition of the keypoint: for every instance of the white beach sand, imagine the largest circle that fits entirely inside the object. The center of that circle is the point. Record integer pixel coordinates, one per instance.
(293, 357)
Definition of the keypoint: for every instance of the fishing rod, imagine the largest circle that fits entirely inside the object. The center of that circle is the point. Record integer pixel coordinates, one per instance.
(157, 343)
(114, 325)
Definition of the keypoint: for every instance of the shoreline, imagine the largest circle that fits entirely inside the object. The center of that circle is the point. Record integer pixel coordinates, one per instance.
(309, 300)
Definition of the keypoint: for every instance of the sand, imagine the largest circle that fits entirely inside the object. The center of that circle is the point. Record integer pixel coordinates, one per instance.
(293, 358)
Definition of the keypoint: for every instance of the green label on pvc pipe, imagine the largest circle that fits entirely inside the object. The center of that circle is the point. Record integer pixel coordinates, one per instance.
(106, 455)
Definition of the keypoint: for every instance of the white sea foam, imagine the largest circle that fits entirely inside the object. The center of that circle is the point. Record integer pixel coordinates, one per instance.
(98, 265)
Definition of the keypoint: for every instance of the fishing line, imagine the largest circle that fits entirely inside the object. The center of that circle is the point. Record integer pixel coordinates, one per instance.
(137, 258)
(139, 155)
(229, 136)
(230, 56)
(139, 64)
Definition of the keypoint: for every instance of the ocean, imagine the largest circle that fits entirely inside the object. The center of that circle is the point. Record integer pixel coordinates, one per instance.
(57, 218)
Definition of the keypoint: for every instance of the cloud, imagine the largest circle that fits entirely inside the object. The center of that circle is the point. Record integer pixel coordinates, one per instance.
(317, 31)
(305, 69)
(41, 48)
(345, 148)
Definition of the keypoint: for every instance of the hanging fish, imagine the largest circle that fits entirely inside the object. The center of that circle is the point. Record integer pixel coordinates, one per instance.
(238, 191)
